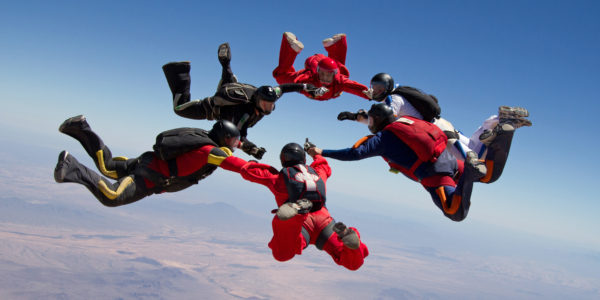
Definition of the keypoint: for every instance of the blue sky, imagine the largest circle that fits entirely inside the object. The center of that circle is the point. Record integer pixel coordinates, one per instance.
(103, 59)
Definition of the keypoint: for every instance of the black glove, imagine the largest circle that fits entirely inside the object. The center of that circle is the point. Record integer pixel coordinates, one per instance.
(251, 149)
(346, 115)
(308, 145)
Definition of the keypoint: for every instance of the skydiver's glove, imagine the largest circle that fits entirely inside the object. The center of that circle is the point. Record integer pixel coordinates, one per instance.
(259, 152)
(368, 93)
(346, 115)
(251, 149)
(309, 87)
(308, 145)
(318, 92)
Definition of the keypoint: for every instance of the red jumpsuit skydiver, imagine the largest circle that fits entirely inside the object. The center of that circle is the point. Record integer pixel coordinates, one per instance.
(285, 72)
(291, 236)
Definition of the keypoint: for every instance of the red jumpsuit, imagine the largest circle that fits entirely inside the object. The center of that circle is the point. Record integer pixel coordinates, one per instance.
(288, 239)
(285, 72)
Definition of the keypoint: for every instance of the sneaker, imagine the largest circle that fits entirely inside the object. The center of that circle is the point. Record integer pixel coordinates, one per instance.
(514, 115)
(512, 112)
(474, 168)
(74, 124)
(348, 236)
(224, 54)
(289, 210)
(62, 166)
(294, 42)
(332, 40)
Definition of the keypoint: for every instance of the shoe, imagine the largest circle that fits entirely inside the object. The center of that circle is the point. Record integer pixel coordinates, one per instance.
(514, 115)
(348, 236)
(74, 124)
(224, 54)
(512, 112)
(332, 40)
(294, 42)
(474, 168)
(62, 166)
(289, 210)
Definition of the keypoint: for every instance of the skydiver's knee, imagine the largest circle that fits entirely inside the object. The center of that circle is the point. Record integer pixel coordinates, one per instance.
(283, 256)
(354, 267)
(456, 217)
(110, 203)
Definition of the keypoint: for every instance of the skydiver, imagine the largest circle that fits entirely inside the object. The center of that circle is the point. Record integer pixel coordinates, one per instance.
(448, 180)
(328, 73)
(242, 104)
(147, 174)
(302, 217)
(383, 90)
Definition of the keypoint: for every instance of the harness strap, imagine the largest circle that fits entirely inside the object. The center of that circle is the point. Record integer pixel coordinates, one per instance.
(306, 236)
(172, 163)
(324, 235)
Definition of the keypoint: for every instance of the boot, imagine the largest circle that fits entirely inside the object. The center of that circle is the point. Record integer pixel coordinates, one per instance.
(348, 236)
(294, 42)
(224, 54)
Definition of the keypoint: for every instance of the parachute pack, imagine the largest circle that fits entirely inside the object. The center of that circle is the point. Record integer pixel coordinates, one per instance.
(426, 104)
(426, 139)
(174, 142)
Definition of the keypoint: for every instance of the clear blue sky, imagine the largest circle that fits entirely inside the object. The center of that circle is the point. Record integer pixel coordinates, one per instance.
(103, 59)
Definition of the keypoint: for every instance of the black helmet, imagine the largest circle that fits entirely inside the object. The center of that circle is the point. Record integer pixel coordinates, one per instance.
(388, 83)
(225, 134)
(291, 155)
(380, 115)
(266, 93)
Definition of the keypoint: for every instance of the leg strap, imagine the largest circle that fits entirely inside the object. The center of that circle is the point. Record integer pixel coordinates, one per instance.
(324, 235)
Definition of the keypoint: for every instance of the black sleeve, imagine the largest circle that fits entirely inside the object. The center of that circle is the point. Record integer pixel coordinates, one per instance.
(292, 87)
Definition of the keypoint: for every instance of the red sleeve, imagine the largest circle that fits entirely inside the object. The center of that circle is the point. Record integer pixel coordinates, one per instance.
(353, 87)
(233, 163)
(267, 176)
(260, 173)
(321, 166)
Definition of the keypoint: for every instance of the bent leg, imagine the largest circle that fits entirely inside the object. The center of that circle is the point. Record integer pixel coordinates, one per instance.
(284, 72)
(178, 77)
(475, 143)
(127, 190)
(78, 128)
(336, 47)
(497, 152)
(287, 240)
(352, 259)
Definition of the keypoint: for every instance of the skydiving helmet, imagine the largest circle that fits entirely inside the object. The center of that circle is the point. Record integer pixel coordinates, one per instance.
(265, 97)
(225, 134)
(382, 85)
(380, 115)
(292, 154)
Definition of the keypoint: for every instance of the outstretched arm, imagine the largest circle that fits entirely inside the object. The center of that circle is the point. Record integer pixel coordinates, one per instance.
(355, 88)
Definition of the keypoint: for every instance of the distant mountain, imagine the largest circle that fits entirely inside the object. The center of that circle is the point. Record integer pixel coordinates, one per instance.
(143, 215)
